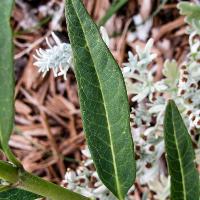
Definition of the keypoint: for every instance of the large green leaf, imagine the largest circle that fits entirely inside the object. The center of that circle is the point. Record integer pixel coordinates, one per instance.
(180, 156)
(192, 12)
(6, 71)
(6, 76)
(103, 100)
(17, 194)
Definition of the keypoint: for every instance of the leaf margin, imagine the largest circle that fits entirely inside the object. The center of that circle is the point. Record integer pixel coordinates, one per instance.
(169, 117)
(119, 194)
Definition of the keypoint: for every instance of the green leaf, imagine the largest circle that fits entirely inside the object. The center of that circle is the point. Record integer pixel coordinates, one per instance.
(6, 71)
(103, 100)
(7, 78)
(17, 194)
(180, 156)
(192, 12)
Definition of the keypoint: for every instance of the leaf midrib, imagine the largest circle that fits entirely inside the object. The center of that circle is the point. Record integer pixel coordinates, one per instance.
(179, 156)
(107, 118)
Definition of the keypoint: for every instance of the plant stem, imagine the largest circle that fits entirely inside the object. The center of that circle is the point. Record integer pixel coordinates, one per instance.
(113, 8)
(11, 157)
(8, 172)
(37, 185)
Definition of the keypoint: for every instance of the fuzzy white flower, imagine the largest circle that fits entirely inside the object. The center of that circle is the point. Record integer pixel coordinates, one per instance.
(140, 61)
(136, 69)
(86, 181)
(57, 57)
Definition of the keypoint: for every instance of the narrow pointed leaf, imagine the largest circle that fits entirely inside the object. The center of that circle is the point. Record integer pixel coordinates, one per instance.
(6, 77)
(6, 71)
(103, 100)
(180, 156)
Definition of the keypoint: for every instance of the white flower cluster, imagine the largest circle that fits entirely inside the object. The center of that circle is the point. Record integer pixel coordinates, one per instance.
(181, 84)
(189, 82)
(58, 58)
(146, 130)
(136, 69)
(85, 180)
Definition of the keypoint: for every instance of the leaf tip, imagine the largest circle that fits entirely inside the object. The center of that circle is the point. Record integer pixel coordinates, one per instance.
(170, 103)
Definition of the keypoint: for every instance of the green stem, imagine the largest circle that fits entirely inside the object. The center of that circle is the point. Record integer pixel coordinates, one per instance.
(113, 8)
(34, 184)
(11, 157)
(8, 172)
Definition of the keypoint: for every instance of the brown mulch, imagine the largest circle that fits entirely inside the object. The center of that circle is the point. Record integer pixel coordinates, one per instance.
(48, 134)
